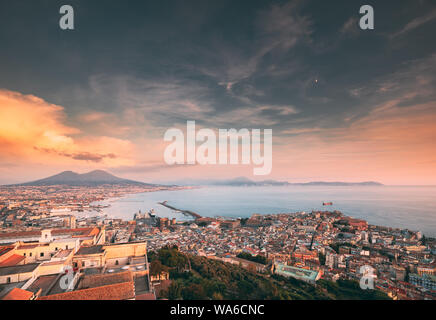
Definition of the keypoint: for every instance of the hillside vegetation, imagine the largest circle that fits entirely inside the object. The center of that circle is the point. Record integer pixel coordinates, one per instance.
(199, 278)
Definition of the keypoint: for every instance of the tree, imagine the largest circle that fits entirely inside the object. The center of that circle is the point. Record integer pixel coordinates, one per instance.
(258, 258)
(156, 268)
(423, 240)
(193, 292)
(174, 291)
(202, 224)
(244, 221)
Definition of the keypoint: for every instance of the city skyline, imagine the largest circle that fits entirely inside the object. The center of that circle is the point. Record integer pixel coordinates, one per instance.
(344, 104)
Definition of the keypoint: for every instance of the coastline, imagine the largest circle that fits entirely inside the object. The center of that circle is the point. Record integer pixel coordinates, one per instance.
(374, 208)
(96, 208)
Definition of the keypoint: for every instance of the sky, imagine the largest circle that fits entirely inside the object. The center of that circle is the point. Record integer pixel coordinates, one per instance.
(344, 104)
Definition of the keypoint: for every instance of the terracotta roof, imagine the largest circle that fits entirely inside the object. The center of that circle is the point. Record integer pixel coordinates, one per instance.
(12, 260)
(94, 232)
(99, 280)
(18, 294)
(20, 234)
(78, 232)
(73, 232)
(4, 250)
(146, 296)
(119, 291)
(28, 246)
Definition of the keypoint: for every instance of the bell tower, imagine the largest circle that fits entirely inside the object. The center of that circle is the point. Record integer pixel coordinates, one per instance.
(46, 236)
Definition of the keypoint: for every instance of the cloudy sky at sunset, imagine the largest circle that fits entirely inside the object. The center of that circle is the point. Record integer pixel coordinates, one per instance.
(344, 104)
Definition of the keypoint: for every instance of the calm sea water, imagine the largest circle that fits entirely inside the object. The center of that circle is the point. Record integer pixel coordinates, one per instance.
(403, 207)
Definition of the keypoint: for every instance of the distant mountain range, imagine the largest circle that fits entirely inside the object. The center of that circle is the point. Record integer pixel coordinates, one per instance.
(100, 177)
(93, 178)
(243, 181)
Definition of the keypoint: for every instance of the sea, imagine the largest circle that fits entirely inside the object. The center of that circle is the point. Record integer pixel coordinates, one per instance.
(407, 207)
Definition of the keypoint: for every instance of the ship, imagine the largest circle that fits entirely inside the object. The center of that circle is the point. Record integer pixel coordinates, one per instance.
(327, 203)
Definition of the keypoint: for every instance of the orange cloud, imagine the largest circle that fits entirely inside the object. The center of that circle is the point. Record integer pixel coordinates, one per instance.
(33, 130)
(392, 144)
(395, 145)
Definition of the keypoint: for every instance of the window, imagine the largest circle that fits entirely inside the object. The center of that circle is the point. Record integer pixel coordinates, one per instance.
(116, 262)
(30, 254)
(8, 280)
(66, 247)
(83, 263)
(41, 254)
(24, 254)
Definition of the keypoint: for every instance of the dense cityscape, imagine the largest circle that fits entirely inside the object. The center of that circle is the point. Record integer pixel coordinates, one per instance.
(43, 233)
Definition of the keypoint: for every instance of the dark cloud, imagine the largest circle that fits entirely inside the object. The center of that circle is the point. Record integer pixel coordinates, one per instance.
(149, 168)
(81, 156)
(416, 23)
(158, 64)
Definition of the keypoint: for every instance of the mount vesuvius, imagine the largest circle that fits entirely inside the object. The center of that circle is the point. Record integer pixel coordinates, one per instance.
(93, 178)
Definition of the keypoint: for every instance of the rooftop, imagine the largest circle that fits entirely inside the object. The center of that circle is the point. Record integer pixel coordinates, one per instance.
(298, 273)
(12, 260)
(146, 296)
(6, 287)
(4, 250)
(119, 291)
(56, 232)
(63, 253)
(45, 283)
(99, 280)
(4, 271)
(90, 250)
(141, 285)
(18, 294)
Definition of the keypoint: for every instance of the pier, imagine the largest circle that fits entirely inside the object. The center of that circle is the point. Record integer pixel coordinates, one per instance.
(185, 212)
